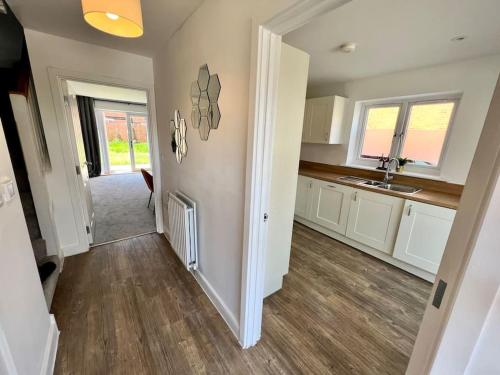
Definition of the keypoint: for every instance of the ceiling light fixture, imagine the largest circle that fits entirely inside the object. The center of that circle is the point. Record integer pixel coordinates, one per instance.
(348, 47)
(117, 17)
(458, 38)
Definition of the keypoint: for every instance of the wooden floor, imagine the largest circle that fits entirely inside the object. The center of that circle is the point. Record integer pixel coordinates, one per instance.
(130, 308)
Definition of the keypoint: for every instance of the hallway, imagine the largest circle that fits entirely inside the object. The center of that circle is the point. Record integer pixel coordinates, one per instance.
(131, 307)
(120, 205)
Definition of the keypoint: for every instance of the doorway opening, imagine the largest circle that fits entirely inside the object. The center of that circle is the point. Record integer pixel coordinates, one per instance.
(339, 199)
(123, 136)
(112, 134)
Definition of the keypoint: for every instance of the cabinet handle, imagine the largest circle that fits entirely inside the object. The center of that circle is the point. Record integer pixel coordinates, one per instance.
(409, 209)
(355, 198)
(310, 185)
(332, 186)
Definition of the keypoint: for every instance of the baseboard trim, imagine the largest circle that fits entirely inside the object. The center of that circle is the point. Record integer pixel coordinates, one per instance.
(49, 356)
(73, 250)
(219, 304)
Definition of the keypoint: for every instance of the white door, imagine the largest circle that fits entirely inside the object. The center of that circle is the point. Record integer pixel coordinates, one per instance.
(330, 205)
(374, 219)
(81, 163)
(303, 197)
(423, 234)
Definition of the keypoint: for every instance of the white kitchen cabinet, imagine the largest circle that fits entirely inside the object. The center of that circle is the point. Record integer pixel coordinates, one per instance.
(423, 234)
(303, 198)
(323, 120)
(330, 205)
(374, 219)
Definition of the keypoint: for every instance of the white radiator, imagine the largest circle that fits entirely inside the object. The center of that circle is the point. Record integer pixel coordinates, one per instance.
(182, 227)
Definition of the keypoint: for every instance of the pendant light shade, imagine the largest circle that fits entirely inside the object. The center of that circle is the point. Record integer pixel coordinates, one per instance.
(117, 17)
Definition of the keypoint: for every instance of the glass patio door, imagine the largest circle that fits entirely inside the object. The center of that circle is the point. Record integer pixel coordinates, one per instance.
(124, 139)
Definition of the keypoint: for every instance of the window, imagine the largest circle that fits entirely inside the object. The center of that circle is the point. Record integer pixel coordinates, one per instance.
(415, 129)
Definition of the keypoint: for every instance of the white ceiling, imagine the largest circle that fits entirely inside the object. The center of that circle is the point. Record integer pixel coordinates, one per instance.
(396, 35)
(161, 18)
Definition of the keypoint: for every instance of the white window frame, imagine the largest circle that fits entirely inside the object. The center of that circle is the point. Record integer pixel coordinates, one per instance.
(405, 104)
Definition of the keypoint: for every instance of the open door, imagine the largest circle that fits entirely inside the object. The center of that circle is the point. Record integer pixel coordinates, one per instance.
(81, 163)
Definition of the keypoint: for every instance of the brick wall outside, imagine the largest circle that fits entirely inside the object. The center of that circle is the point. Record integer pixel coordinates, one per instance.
(116, 127)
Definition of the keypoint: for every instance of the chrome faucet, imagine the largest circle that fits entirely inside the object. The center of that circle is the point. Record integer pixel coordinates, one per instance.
(387, 178)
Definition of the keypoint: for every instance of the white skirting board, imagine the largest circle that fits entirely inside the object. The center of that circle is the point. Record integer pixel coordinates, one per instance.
(49, 357)
(219, 304)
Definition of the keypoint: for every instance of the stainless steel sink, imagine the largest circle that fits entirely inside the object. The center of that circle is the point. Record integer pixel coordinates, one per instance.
(373, 183)
(394, 187)
(400, 188)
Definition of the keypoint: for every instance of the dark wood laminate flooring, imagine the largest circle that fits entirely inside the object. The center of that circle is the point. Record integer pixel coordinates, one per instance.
(130, 308)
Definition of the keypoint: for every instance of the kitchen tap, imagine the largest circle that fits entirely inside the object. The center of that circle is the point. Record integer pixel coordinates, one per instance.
(387, 177)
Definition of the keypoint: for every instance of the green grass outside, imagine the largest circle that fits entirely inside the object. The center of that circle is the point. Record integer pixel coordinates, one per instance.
(119, 153)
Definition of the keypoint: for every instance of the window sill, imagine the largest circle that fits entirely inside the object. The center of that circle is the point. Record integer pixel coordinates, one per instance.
(405, 173)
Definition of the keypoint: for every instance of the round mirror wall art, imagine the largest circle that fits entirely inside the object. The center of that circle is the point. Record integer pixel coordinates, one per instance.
(179, 144)
(205, 113)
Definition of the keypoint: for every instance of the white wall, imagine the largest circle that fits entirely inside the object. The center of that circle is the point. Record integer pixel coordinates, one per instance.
(24, 319)
(213, 173)
(292, 83)
(46, 51)
(475, 78)
(475, 299)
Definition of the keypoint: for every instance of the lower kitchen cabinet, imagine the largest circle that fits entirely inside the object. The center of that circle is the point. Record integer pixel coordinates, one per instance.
(374, 219)
(423, 234)
(330, 205)
(303, 199)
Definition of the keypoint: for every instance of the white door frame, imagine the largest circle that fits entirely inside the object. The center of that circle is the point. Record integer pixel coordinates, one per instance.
(266, 43)
(67, 138)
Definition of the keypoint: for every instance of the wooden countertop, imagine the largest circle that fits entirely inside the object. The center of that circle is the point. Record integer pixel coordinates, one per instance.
(449, 198)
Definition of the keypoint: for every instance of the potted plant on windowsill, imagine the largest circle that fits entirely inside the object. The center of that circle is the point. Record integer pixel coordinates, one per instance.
(402, 163)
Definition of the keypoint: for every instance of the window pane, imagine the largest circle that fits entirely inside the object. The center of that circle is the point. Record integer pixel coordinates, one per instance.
(379, 131)
(426, 132)
(118, 144)
(139, 126)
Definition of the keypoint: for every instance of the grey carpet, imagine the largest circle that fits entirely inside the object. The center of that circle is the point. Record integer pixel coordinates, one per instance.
(120, 205)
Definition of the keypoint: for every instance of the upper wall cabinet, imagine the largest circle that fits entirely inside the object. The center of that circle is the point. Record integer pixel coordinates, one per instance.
(323, 120)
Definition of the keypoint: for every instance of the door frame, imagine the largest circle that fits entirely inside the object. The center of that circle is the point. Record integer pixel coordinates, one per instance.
(266, 46)
(67, 138)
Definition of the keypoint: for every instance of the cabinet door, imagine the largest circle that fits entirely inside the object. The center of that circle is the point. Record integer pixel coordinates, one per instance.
(330, 205)
(303, 197)
(321, 119)
(423, 234)
(374, 219)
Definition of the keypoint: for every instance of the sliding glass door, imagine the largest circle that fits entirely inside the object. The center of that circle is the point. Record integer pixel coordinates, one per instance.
(123, 137)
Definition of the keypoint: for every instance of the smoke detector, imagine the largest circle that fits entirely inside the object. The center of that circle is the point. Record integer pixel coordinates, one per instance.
(347, 47)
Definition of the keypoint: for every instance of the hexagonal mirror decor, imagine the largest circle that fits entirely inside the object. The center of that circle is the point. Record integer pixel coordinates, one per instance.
(203, 77)
(179, 136)
(204, 128)
(205, 114)
(195, 93)
(213, 88)
(195, 117)
(214, 116)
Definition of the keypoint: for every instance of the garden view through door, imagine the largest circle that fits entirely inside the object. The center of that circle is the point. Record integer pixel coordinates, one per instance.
(126, 138)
